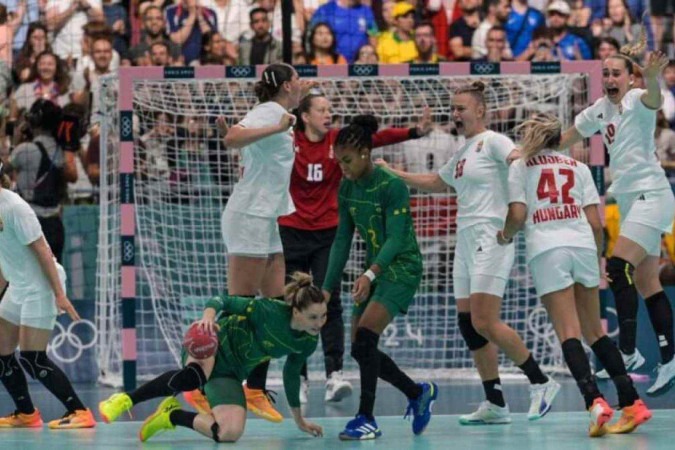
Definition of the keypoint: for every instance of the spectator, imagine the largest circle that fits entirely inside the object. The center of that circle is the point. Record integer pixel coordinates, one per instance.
(41, 170)
(273, 8)
(606, 47)
(66, 19)
(580, 16)
(92, 31)
(567, 46)
(496, 43)
(425, 42)
(523, 20)
(31, 14)
(9, 24)
(262, 48)
(86, 84)
(497, 14)
(154, 30)
(48, 80)
(366, 55)
(461, 31)
(434, 13)
(669, 93)
(160, 55)
(117, 19)
(353, 25)
(35, 43)
(661, 12)
(541, 47)
(186, 23)
(665, 143)
(214, 51)
(232, 18)
(398, 45)
(621, 26)
(322, 44)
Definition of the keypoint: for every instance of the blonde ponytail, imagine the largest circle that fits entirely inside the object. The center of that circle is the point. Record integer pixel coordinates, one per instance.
(540, 132)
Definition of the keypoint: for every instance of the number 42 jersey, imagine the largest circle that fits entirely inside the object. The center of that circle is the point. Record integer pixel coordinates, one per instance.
(555, 189)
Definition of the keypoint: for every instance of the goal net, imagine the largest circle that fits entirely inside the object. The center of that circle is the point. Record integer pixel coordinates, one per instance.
(183, 175)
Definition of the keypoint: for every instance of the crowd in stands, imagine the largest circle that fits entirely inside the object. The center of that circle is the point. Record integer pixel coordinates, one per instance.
(58, 50)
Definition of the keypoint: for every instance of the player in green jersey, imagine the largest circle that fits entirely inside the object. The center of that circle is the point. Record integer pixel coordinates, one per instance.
(254, 331)
(376, 203)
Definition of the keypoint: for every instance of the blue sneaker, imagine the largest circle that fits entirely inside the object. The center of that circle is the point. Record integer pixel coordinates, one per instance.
(421, 407)
(360, 429)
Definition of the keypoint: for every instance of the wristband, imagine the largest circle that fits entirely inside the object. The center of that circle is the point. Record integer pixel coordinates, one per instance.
(370, 275)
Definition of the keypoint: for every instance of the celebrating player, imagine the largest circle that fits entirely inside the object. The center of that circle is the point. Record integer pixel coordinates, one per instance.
(478, 172)
(555, 197)
(254, 331)
(249, 222)
(377, 204)
(308, 233)
(28, 310)
(626, 118)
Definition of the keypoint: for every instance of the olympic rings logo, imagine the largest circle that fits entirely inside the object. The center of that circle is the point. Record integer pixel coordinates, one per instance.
(67, 335)
(128, 250)
(241, 71)
(484, 68)
(126, 126)
(363, 70)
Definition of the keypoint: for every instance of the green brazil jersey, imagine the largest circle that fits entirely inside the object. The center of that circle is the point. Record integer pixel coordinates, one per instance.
(378, 207)
(257, 330)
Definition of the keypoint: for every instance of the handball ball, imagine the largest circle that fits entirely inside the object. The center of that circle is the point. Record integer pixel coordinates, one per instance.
(200, 344)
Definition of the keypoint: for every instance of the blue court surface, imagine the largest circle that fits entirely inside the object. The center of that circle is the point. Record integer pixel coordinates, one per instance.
(564, 428)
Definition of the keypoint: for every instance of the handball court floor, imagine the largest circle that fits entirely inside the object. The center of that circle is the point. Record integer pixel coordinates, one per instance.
(562, 429)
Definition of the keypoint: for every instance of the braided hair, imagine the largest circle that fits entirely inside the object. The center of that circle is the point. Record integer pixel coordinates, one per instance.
(358, 134)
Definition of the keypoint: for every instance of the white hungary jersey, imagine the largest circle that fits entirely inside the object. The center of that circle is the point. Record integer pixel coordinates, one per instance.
(267, 164)
(555, 189)
(479, 174)
(628, 132)
(19, 227)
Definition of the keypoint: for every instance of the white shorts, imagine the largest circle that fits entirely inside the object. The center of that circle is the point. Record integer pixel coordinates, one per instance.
(561, 267)
(645, 216)
(248, 235)
(481, 265)
(33, 309)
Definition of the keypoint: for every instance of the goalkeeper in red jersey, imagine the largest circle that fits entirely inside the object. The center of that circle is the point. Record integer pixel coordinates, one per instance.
(308, 233)
(377, 204)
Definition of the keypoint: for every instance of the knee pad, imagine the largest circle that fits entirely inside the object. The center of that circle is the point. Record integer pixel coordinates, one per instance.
(37, 364)
(364, 347)
(620, 272)
(472, 338)
(215, 429)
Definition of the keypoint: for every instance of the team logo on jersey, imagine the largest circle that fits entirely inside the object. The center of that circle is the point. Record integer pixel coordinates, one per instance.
(352, 211)
(479, 147)
(642, 197)
(601, 115)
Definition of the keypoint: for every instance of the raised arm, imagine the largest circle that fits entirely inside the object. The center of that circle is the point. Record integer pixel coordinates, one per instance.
(429, 182)
(239, 136)
(656, 62)
(390, 136)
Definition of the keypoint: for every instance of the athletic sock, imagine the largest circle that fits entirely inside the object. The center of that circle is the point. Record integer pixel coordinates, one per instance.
(661, 316)
(181, 418)
(626, 301)
(577, 361)
(14, 380)
(393, 375)
(188, 378)
(533, 371)
(40, 367)
(493, 392)
(611, 360)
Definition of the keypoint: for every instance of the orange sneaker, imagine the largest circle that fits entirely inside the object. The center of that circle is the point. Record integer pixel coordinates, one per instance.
(198, 401)
(258, 402)
(82, 418)
(601, 414)
(20, 420)
(631, 417)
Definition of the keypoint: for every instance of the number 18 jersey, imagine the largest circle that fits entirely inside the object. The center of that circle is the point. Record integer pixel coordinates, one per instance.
(555, 189)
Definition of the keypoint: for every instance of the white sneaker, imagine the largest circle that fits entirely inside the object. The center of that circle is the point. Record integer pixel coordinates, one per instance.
(304, 389)
(632, 362)
(337, 387)
(487, 414)
(541, 398)
(664, 380)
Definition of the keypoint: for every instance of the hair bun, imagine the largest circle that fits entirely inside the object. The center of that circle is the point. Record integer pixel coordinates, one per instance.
(367, 122)
(478, 85)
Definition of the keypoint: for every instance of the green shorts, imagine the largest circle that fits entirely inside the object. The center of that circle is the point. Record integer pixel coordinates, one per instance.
(225, 386)
(395, 297)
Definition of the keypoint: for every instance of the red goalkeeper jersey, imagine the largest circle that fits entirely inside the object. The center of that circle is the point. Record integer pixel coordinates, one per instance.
(316, 178)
